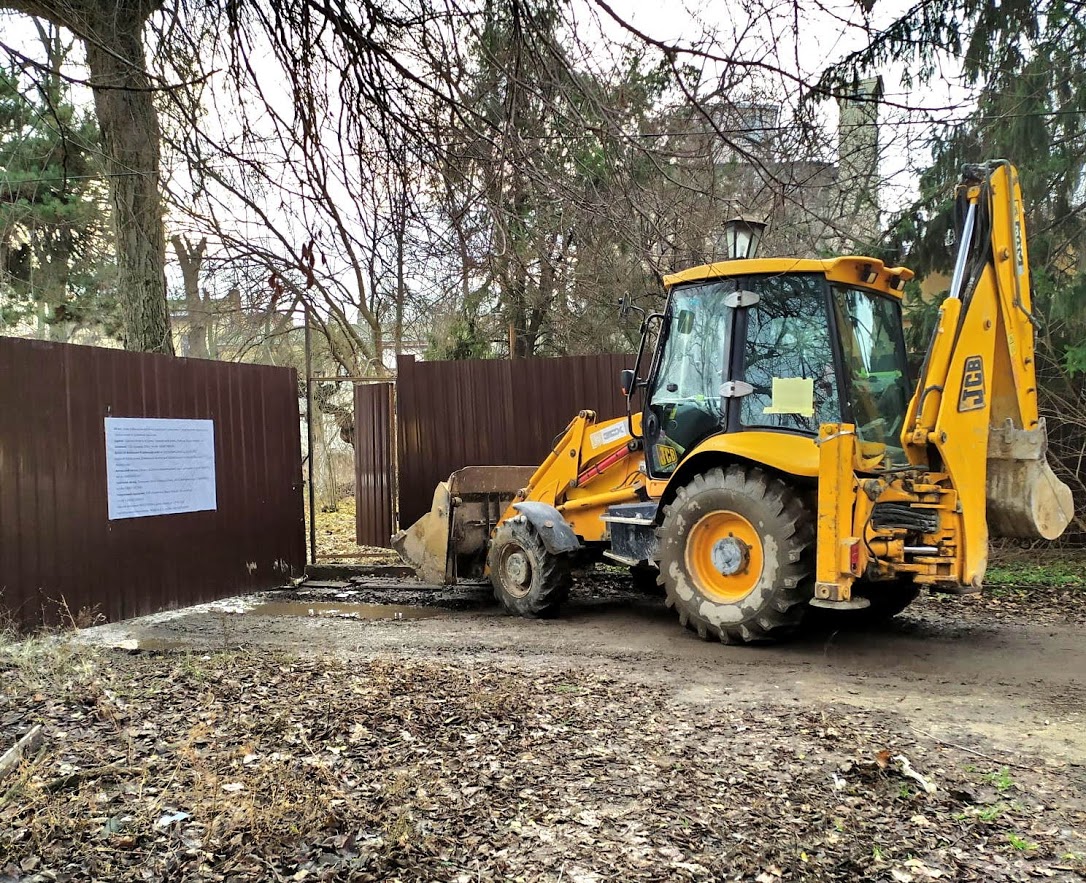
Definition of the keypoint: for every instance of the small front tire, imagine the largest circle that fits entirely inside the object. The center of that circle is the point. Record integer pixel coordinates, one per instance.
(528, 580)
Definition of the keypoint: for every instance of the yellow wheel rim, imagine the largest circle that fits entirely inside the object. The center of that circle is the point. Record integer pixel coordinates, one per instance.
(724, 556)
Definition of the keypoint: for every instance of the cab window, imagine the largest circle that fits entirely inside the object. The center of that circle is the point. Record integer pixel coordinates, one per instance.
(788, 356)
(685, 396)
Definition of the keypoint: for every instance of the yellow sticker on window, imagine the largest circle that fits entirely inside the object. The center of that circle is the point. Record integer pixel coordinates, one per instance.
(792, 395)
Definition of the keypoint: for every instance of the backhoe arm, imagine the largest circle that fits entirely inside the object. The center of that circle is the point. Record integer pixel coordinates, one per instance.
(974, 412)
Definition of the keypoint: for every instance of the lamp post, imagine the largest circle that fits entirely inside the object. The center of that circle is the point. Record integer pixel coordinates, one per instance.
(742, 238)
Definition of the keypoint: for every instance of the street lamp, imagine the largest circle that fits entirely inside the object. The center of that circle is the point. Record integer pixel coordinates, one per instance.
(742, 238)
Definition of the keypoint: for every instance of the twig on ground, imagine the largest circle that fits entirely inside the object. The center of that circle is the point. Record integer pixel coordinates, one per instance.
(110, 771)
(932, 736)
(15, 754)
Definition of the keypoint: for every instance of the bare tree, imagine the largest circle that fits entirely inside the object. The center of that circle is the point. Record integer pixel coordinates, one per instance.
(191, 259)
(487, 133)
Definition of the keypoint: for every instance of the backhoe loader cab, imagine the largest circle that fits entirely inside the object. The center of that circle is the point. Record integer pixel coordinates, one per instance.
(776, 455)
(776, 346)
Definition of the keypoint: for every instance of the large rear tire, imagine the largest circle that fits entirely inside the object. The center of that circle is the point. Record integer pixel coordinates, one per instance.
(528, 580)
(736, 555)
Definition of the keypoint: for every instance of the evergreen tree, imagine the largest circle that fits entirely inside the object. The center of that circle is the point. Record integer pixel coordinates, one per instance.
(1025, 62)
(111, 32)
(54, 225)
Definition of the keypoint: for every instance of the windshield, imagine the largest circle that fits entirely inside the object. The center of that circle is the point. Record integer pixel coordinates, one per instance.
(873, 354)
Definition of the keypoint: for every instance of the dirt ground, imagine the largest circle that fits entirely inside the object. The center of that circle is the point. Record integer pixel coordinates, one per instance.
(380, 729)
(1006, 670)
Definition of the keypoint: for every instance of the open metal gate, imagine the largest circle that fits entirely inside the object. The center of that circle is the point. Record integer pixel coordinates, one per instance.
(374, 463)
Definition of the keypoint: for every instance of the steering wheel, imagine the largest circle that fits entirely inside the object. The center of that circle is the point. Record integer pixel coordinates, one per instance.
(891, 401)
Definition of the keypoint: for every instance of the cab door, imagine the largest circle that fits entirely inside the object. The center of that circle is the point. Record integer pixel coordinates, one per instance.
(686, 400)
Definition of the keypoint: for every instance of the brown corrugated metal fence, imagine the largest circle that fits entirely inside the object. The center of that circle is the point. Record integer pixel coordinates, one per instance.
(490, 412)
(374, 464)
(58, 550)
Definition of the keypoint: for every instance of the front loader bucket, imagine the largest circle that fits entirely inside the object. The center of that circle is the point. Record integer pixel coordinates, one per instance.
(425, 545)
(450, 541)
(1024, 497)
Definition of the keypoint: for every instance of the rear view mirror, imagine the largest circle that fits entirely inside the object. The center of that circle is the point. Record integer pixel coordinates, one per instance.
(626, 380)
(684, 322)
(626, 305)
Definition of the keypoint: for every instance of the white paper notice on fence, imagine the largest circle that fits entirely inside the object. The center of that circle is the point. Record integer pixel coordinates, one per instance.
(159, 467)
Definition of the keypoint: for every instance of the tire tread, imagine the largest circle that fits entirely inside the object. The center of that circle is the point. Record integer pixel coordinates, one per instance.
(552, 576)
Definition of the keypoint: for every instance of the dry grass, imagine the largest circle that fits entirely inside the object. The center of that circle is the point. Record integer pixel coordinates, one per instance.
(336, 538)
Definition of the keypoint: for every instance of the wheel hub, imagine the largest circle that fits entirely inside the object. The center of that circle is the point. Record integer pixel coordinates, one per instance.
(518, 568)
(730, 556)
(724, 556)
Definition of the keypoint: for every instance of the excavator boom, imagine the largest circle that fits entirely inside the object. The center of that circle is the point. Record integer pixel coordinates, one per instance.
(972, 436)
(978, 387)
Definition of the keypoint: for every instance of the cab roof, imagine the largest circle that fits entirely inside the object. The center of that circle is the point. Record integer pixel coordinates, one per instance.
(852, 270)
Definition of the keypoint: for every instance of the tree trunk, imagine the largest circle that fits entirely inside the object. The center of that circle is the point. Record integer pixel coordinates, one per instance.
(130, 137)
(191, 260)
(401, 280)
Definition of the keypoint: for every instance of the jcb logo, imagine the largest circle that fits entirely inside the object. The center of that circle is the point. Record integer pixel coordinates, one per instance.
(972, 396)
(666, 456)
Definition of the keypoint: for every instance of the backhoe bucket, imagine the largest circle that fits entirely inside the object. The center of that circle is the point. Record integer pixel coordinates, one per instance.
(450, 541)
(1025, 498)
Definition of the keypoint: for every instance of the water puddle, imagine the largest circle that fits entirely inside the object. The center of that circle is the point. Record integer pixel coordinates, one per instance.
(151, 645)
(348, 610)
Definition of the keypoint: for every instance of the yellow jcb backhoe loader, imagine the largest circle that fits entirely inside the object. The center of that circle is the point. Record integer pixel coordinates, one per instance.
(781, 459)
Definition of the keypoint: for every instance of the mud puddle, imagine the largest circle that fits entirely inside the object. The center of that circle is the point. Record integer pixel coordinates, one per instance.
(342, 610)
(228, 637)
(388, 593)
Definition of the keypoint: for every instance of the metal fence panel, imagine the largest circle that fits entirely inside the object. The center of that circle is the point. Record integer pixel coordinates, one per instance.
(59, 553)
(482, 412)
(374, 464)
